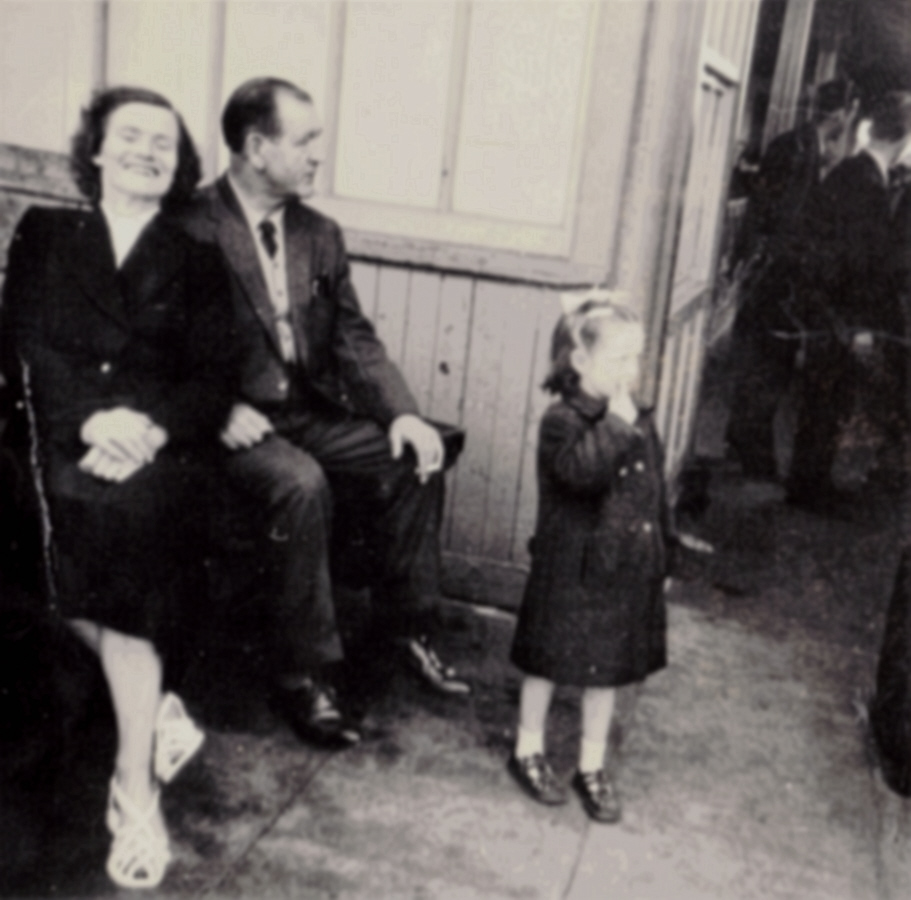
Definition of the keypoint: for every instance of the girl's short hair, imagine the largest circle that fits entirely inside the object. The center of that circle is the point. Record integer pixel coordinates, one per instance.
(87, 141)
(582, 327)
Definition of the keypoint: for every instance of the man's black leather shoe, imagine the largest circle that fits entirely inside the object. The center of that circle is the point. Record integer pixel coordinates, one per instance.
(312, 711)
(421, 659)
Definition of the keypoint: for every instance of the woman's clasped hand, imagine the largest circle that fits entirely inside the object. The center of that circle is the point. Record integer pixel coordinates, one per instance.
(121, 441)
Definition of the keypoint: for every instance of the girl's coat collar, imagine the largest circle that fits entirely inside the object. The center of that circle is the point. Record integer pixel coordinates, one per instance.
(593, 408)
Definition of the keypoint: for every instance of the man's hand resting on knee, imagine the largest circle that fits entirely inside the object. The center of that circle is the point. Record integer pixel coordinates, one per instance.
(424, 439)
(246, 427)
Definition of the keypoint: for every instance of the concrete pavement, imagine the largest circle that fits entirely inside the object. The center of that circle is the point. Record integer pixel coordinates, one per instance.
(744, 765)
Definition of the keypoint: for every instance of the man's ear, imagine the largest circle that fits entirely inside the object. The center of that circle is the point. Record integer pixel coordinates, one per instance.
(253, 144)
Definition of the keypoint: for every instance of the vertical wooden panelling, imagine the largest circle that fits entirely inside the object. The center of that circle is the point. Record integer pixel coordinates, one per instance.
(666, 392)
(728, 23)
(391, 314)
(732, 15)
(517, 357)
(450, 365)
(364, 277)
(547, 312)
(714, 23)
(453, 325)
(420, 339)
(694, 370)
(681, 388)
(482, 384)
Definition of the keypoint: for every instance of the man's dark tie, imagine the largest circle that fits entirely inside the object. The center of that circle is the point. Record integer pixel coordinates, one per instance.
(267, 232)
(899, 182)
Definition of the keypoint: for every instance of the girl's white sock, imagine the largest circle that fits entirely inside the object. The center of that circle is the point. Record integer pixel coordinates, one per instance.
(529, 743)
(591, 755)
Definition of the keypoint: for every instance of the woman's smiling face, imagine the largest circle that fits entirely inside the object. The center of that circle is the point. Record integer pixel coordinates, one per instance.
(138, 156)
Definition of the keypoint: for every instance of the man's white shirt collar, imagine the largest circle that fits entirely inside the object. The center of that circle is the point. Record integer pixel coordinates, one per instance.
(881, 162)
(253, 216)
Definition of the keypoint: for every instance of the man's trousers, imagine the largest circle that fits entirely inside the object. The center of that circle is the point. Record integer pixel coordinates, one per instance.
(320, 472)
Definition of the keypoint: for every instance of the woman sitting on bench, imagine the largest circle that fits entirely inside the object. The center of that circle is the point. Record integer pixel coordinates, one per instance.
(115, 336)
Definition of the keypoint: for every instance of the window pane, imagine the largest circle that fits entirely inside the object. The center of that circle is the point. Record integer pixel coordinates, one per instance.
(526, 64)
(392, 115)
(283, 38)
(167, 47)
(46, 57)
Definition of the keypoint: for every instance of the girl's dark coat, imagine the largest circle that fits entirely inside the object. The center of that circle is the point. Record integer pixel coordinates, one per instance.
(593, 612)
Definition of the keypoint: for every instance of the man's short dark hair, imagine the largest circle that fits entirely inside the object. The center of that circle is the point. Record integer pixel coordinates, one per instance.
(831, 97)
(253, 107)
(87, 141)
(890, 116)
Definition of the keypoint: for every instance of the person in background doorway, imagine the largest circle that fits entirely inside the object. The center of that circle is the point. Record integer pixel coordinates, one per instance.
(851, 306)
(764, 347)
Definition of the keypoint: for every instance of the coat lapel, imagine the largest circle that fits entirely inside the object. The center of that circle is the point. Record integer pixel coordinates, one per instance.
(237, 244)
(157, 254)
(92, 264)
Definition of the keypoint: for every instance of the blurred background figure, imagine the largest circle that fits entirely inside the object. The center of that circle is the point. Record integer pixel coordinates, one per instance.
(764, 345)
(850, 305)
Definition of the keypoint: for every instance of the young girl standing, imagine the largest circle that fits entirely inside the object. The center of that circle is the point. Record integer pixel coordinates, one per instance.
(593, 613)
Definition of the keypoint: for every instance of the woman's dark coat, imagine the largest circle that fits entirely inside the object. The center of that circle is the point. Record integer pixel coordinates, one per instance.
(80, 336)
(593, 613)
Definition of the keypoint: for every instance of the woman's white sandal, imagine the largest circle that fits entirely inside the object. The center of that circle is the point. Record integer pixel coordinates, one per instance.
(140, 852)
(177, 738)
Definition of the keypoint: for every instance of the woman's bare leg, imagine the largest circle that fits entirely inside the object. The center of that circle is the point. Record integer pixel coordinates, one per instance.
(133, 671)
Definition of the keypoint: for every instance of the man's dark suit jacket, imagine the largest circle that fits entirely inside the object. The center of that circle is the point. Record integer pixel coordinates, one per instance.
(341, 357)
(153, 336)
(845, 250)
(789, 171)
(788, 175)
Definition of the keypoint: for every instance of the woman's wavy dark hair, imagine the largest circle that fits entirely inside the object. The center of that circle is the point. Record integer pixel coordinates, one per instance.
(87, 142)
(583, 326)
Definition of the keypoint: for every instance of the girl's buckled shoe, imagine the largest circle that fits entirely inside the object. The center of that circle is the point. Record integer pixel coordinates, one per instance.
(535, 776)
(599, 796)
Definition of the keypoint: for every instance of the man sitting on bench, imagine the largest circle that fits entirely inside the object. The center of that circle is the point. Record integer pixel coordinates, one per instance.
(319, 399)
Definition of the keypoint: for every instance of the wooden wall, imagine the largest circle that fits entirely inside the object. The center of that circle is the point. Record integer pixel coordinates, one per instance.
(475, 352)
(727, 45)
(474, 348)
